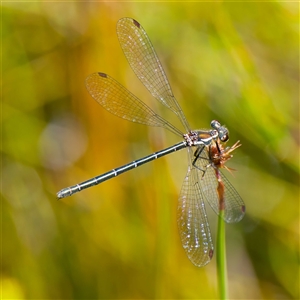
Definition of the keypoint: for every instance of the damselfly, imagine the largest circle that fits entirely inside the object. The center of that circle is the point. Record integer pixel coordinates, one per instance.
(206, 151)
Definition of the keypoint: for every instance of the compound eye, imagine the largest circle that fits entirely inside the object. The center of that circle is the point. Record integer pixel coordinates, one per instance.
(225, 137)
(215, 124)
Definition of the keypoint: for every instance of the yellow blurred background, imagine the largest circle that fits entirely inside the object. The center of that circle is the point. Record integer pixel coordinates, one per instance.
(234, 62)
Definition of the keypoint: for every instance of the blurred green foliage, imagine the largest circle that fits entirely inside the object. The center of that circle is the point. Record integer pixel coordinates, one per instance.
(235, 62)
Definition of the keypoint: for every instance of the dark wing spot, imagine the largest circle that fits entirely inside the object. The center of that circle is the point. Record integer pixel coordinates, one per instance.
(136, 23)
(243, 208)
(211, 253)
(102, 75)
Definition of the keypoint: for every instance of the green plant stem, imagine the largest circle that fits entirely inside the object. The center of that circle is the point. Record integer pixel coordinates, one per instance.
(221, 257)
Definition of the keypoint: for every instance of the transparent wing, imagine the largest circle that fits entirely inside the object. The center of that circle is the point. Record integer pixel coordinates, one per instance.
(234, 205)
(192, 220)
(143, 60)
(116, 99)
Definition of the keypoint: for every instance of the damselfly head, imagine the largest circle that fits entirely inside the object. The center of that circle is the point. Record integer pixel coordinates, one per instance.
(223, 132)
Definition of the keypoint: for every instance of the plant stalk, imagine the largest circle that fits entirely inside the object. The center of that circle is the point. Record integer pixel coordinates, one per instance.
(221, 257)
